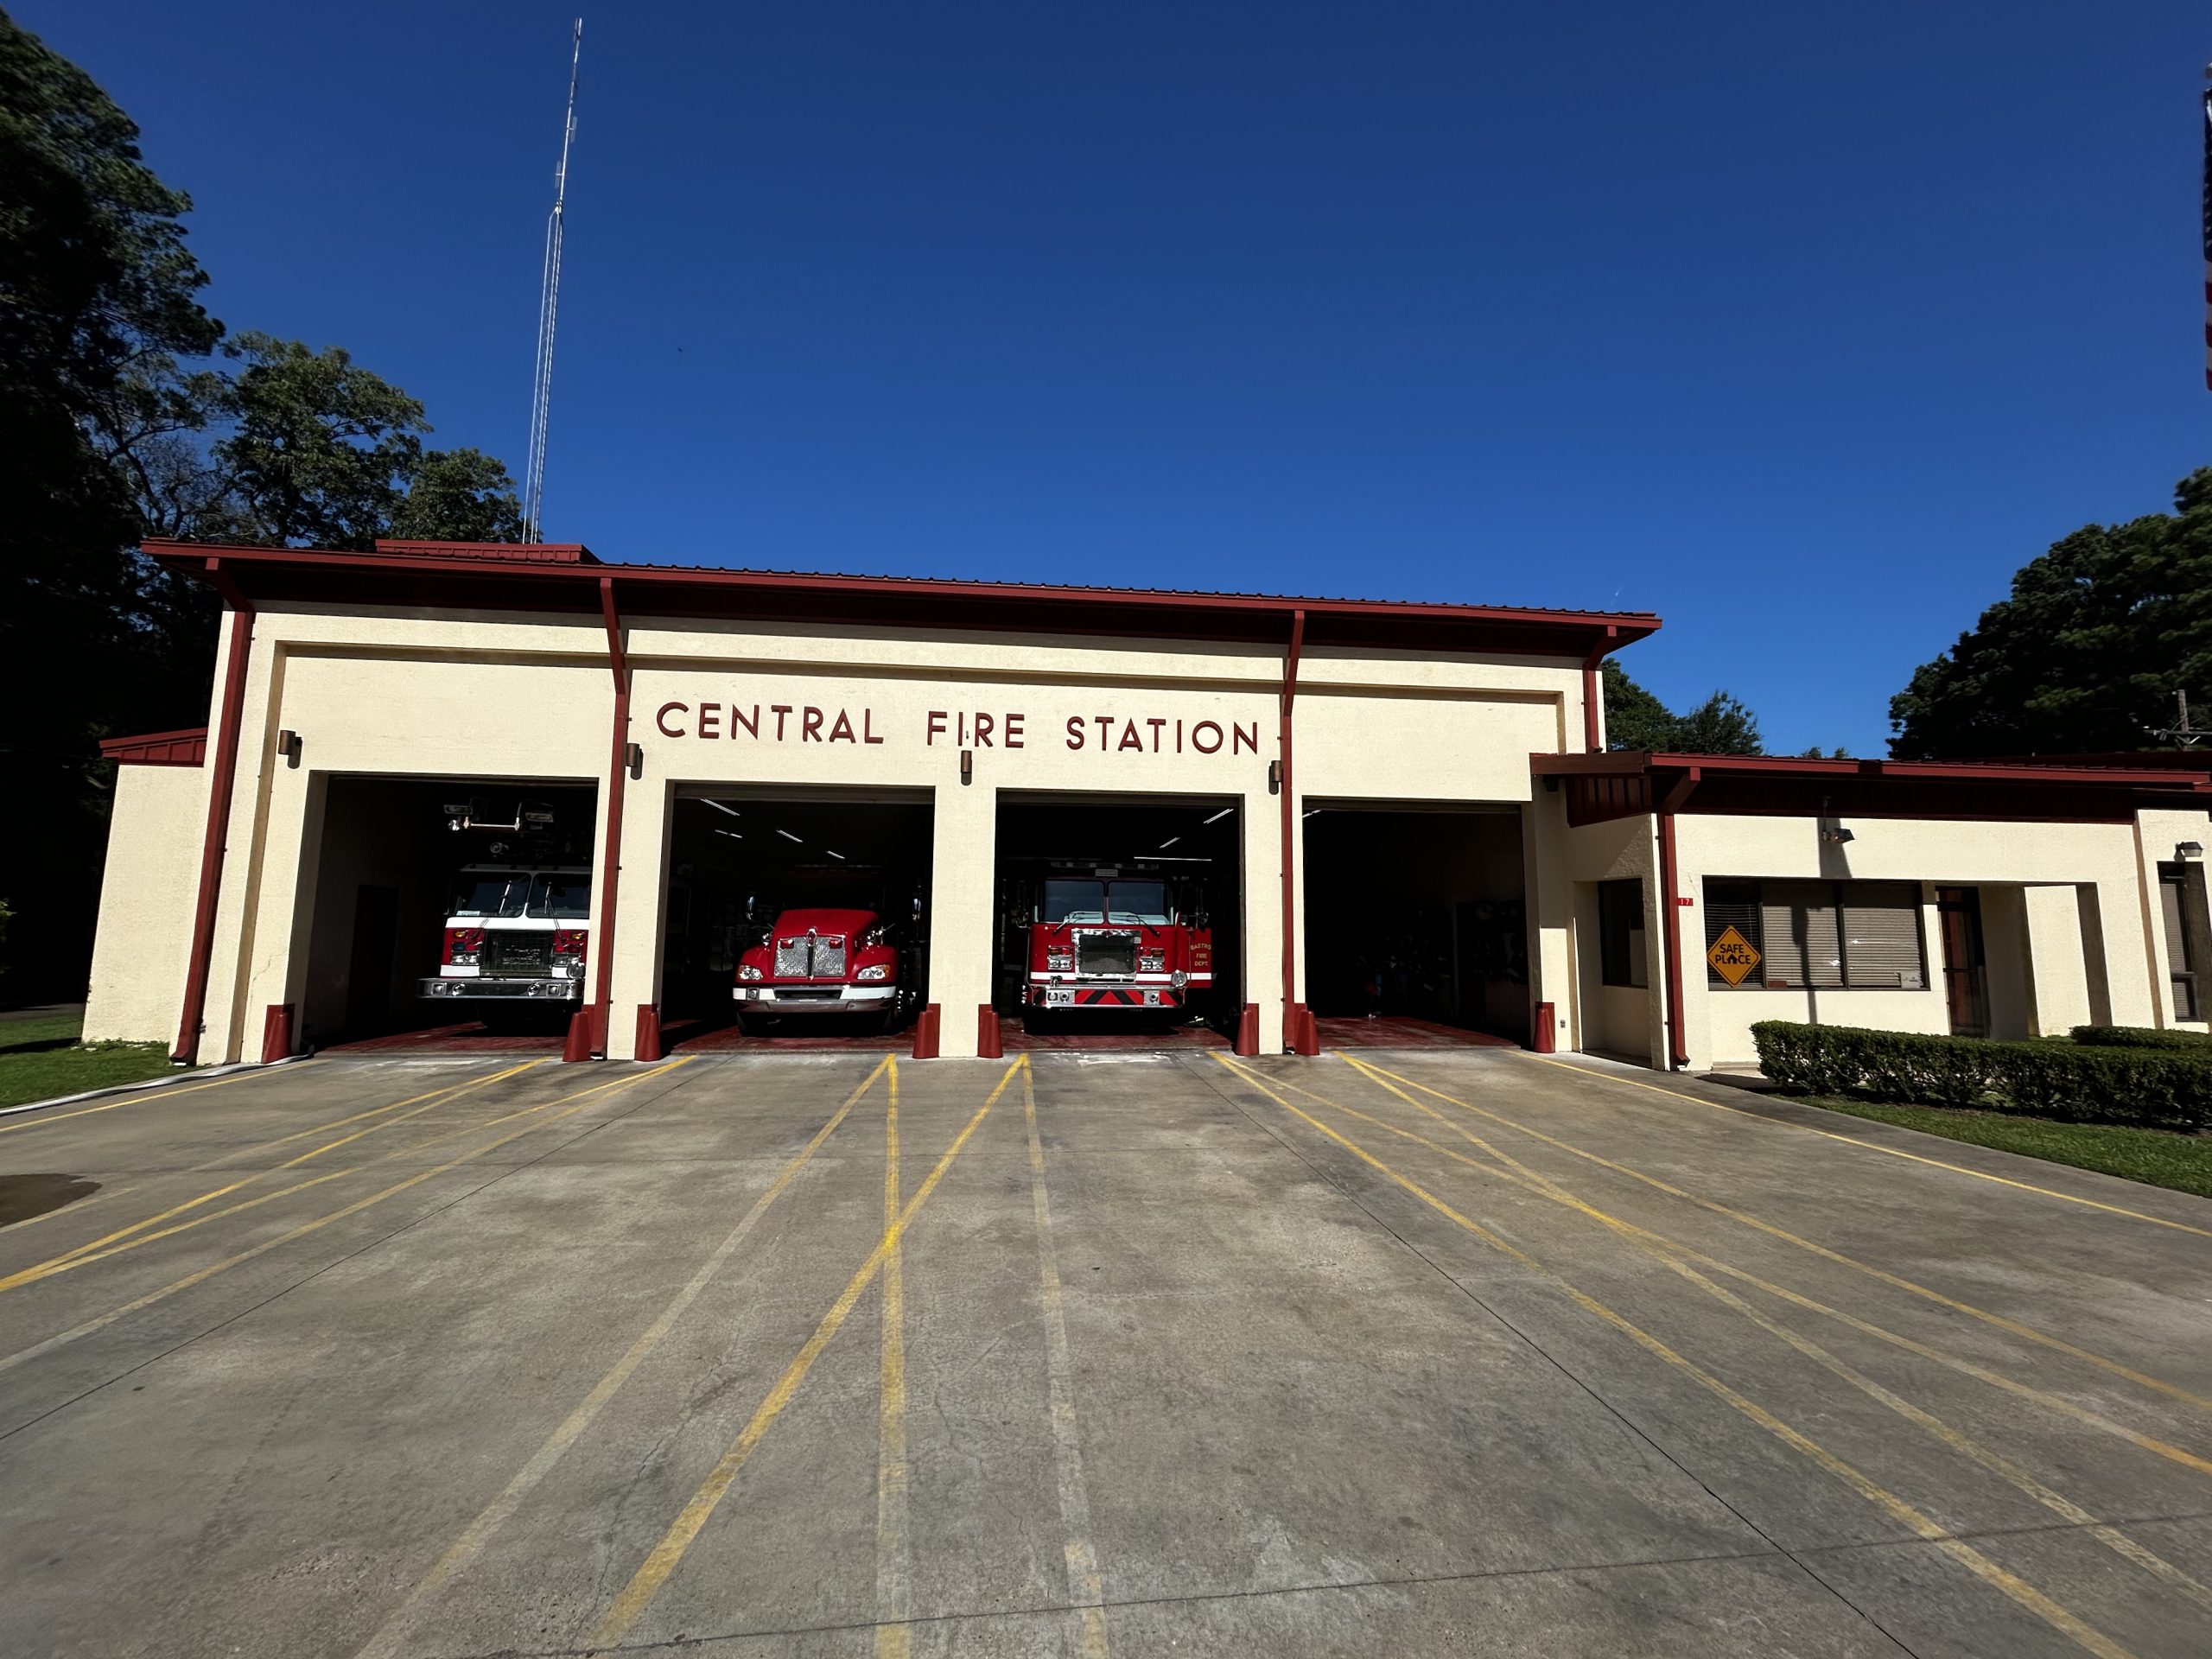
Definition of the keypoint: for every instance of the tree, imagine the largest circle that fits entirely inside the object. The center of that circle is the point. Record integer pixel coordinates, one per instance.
(1637, 720)
(2085, 654)
(117, 423)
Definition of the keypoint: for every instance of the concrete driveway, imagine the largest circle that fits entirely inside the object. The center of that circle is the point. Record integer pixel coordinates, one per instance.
(1434, 1352)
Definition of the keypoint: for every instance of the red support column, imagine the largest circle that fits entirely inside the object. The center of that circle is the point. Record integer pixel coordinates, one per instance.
(610, 855)
(1291, 1007)
(223, 774)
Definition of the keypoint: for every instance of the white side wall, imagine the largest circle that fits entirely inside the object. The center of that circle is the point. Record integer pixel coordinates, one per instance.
(154, 832)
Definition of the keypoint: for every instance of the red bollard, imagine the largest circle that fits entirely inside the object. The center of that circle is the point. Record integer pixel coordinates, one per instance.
(577, 1045)
(1544, 1038)
(925, 1033)
(1248, 1033)
(276, 1033)
(649, 1047)
(1304, 1031)
(988, 1044)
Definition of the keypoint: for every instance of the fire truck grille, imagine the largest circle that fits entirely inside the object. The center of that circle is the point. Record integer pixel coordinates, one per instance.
(1106, 954)
(515, 952)
(810, 957)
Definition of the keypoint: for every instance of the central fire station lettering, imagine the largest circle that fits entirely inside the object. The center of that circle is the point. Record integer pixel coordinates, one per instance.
(776, 720)
(785, 723)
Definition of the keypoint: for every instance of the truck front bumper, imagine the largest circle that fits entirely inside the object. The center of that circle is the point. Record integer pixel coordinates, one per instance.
(1105, 993)
(505, 990)
(815, 999)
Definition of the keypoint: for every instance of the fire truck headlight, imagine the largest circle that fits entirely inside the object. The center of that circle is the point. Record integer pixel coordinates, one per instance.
(874, 972)
(1151, 962)
(1059, 963)
(747, 970)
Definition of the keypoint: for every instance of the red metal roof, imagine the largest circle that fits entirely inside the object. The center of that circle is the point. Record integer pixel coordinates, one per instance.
(2089, 788)
(526, 552)
(515, 578)
(185, 749)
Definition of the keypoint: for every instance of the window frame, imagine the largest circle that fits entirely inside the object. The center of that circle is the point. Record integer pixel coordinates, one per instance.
(1750, 893)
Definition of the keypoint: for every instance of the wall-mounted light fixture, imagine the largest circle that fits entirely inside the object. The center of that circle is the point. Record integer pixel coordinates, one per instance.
(634, 758)
(2190, 852)
(288, 745)
(1274, 777)
(967, 766)
(1836, 835)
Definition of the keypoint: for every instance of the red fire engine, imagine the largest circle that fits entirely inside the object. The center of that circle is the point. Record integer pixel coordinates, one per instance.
(1130, 935)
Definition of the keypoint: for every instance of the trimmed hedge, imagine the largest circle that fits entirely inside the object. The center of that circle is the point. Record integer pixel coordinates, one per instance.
(2194, 1042)
(2153, 1088)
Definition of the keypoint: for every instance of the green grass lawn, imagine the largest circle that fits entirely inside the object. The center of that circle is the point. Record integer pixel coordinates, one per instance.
(41, 1059)
(2182, 1162)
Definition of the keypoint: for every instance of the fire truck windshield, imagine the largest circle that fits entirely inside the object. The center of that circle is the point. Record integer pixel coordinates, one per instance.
(518, 893)
(1139, 903)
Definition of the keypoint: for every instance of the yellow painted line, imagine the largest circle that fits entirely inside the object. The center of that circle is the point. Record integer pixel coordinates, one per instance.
(1085, 1590)
(1669, 1256)
(148, 1097)
(646, 1583)
(894, 1586)
(131, 1237)
(1532, 1178)
(464, 1549)
(243, 1152)
(583, 1100)
(1870, 1146)
(433, 1100)
(2027, 1332)
(1990, 1571)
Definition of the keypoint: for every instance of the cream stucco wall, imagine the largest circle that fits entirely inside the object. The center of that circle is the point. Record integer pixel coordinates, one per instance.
(402, 693)
(2031, 876)
(147, 898)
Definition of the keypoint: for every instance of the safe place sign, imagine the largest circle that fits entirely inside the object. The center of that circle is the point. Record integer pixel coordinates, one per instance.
(1733, 955)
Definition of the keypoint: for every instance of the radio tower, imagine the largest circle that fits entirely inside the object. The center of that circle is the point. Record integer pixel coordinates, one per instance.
(549, 305)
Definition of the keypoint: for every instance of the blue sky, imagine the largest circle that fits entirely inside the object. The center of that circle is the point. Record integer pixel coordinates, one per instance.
(1804, 327)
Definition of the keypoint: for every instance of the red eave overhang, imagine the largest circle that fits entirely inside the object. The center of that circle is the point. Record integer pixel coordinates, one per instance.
(185, 749)
(431, 581)
(2093, 790)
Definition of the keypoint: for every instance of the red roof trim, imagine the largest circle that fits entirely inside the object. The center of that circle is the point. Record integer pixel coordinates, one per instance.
(184, 748)
(511, 552)
(475, 580)
(1625, 784)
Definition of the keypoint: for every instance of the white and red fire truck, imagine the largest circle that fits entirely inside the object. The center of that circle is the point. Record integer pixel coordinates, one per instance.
(1131, 936)
(519, 921)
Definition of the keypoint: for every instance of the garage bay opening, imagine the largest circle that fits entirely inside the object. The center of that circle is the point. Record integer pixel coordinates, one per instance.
(794, 918)
(447, 911)
(1416, 923)
(1119, 920)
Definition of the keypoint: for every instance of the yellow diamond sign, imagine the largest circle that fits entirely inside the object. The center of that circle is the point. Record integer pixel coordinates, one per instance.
(1733, 955)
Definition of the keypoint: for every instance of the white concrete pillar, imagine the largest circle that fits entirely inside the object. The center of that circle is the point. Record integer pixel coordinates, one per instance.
(2057, 963)
(1550, 898)
(1261, 818)
(963, 899)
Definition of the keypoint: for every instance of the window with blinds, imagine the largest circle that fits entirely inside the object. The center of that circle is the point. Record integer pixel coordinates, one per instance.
(1821, 934)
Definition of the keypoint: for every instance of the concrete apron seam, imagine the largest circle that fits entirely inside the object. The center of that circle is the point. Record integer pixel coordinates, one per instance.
(1866, 1145)
(1505, 1323)
(1667, 1254)
(662, 1560)
(1999, 1321)
(1991, 1572)
(583, 1097)
(472, 1539)
(224, 1165)
(694, 1639)
(206, 1077)
(133, 1236)
(309, 1278)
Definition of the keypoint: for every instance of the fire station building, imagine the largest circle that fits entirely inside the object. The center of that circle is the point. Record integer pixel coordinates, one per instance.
(1384, 812)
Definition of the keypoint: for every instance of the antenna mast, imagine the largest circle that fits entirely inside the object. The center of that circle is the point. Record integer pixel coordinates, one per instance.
(548, 304)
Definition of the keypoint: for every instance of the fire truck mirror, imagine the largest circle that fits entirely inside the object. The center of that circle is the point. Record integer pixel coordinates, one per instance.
(751, 907)
(918, 907)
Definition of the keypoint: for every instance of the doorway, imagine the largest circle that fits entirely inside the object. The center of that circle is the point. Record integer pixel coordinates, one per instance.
(1966, 979)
